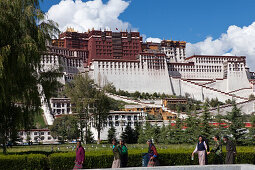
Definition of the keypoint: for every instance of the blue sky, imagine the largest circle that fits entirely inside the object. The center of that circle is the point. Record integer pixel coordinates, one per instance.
(210, 27)
(189, 20)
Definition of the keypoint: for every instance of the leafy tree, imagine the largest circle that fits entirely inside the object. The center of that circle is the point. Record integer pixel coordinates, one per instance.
(111, 134)
(81, 92)
(22, 42)
(128, 135)
(101, 111)
(65, 128)
(236, 124)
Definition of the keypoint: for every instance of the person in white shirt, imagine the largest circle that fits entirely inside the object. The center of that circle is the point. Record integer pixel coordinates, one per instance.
(201, 148)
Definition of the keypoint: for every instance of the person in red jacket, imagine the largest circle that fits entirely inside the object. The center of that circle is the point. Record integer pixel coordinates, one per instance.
(153, 154)
(80, 156)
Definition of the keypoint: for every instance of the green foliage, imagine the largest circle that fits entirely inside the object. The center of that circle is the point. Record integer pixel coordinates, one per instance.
(236, 124)
(31, 161)
(128, 135)
(111, 134)
(65, 128)
(39, 122)
(206, 128)
(23, 41)
(89, 137)
(193, 128)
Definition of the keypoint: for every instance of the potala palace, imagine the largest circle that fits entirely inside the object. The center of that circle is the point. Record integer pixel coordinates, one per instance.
(123, 59)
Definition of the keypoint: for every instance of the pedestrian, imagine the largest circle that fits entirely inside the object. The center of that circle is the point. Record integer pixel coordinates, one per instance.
(217, 150)
(124, 154)
(201, 148)
(152, 154)
(80, 156)
(116, 153)
(231, 150)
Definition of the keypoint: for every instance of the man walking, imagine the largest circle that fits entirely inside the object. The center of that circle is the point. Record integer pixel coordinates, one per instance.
(231, 151)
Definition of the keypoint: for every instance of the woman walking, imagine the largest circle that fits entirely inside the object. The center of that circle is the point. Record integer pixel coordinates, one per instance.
(201, 150)
(80, 156)
(124, 154)
(153, 154)
(116, 153)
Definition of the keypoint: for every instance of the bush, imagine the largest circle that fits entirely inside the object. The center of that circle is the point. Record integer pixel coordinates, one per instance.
(31, 161)
(103, 159)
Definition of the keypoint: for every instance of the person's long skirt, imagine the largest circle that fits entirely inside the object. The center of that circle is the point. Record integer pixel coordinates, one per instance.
(77, 166)
(230, 157)
(116, 163)
(201, 157)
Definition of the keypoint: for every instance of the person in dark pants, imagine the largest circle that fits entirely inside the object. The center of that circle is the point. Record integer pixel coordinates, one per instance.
(231, 151)
(124, 154)
(217, 150)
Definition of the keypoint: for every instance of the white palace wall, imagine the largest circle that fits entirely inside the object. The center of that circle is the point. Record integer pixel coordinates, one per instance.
(131, 76)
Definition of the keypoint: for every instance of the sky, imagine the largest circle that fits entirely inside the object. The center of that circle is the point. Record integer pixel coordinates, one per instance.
(218, 27)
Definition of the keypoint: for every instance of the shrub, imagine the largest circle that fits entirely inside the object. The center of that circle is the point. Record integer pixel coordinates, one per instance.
(31, 161)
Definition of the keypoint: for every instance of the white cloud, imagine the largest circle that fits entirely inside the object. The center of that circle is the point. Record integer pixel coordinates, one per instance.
(87, 15)
(156, 40)
(236, 41)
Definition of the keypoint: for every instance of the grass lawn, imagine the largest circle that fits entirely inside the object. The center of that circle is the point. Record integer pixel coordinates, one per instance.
(106, 148)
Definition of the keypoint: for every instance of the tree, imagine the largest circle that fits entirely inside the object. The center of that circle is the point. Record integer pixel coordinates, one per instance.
(89, 137)
(251, 134)
(111, 134)
(128, 135)
(65, 128)
(81, 92)
(193, 128)
(22, 42)
(251, 97)
(101, 111)
(236, 124)
(137, 132)
(206, 120)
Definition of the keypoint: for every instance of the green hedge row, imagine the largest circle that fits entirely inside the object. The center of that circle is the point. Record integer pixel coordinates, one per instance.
(66, 160)
(31, 161)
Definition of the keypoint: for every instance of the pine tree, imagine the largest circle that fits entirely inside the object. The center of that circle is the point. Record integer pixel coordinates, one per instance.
(192, 130)
(89, 137)
(236, 124)
(128, 134)
(156, 133)
(206, 128)
(163, 135)
(111, 134)
(251, 134)
(137, 132)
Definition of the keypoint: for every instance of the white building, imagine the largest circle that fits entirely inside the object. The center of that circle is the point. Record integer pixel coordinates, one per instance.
(36, 136)
(120, 120)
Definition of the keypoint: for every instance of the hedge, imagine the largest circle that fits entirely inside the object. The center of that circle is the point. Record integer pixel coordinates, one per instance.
(104, 160)
(31, 161)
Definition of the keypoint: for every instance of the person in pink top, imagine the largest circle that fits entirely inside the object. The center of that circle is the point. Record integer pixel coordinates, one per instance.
(80, 156)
